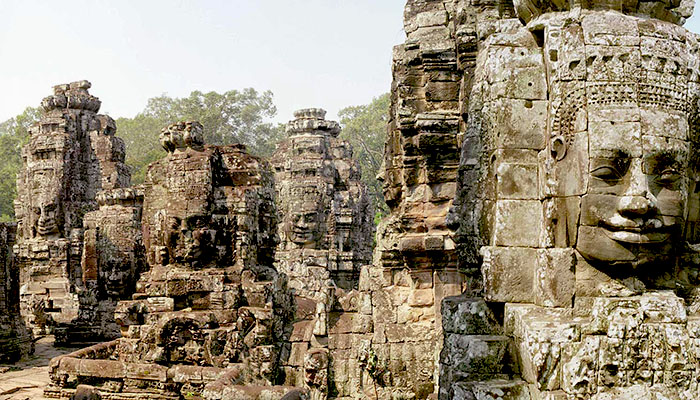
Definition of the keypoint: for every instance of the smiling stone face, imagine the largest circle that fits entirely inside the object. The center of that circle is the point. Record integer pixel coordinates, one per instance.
(633, 211)
(46, 213)
(303, 227)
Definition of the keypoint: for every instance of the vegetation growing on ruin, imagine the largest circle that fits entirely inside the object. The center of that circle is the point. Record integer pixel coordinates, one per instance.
(236, 116)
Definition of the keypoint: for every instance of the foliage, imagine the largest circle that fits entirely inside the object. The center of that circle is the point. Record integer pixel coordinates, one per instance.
(14, 133)
(365, 128)
(231, 117)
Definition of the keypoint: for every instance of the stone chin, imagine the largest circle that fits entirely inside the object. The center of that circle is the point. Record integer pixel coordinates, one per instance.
(302, 237)
(47, 229)
(605, 246)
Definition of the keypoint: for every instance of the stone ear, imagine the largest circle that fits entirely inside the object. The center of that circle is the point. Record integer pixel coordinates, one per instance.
(558, 146)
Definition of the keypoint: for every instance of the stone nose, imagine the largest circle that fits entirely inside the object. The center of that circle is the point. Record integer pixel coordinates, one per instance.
(636, 205)
(637, 200)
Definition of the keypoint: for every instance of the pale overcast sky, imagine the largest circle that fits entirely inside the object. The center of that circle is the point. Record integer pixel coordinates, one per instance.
(309, 53)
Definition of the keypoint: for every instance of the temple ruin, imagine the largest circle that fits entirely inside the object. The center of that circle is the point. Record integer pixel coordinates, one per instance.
(15, 339)
(71, 156)
(541, 173)
(209, 304)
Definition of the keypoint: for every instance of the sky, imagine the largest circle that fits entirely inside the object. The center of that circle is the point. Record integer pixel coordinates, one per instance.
(309, 53)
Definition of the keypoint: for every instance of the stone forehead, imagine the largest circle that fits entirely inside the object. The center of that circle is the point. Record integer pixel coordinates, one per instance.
(673, 11)
(624, 62)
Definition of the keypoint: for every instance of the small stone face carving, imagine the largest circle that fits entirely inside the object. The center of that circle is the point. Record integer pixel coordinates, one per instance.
(48, 210)
(316, 373)
(303, 227)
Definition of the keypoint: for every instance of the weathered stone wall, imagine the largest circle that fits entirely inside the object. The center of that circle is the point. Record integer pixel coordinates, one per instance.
(15, 339)
(576, 201)
(210, 304)
(326, 234)
(72, 154)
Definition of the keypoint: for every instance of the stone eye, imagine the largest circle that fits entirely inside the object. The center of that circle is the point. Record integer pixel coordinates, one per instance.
(668, 176)
(607, 173)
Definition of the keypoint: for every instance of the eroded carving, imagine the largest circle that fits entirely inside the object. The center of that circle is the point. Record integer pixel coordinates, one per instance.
(72, 155)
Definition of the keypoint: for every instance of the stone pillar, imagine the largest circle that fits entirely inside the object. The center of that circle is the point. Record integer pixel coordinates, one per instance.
(15, 339)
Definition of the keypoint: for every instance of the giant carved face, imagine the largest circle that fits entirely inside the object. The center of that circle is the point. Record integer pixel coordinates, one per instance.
(303, 226)
(632, 212)
(191, 238)
(46, 212)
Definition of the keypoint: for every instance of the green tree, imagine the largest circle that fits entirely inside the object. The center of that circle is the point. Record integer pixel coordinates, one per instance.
(14, 133)
(231, 117)
(365, 128)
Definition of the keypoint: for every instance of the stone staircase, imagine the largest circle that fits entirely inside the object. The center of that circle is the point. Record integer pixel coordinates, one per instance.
(478, 362)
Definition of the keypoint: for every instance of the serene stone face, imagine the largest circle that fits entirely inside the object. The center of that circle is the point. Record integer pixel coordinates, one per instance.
(303, 227)
(191, 237)
(637, 187)
(46, 208)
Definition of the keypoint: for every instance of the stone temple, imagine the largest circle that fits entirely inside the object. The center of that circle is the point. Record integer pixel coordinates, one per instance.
(541, 171)
(72, 155)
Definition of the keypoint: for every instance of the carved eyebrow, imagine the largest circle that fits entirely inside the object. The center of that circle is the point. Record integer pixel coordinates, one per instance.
(666, 155)
(610, 154)
(663, 158)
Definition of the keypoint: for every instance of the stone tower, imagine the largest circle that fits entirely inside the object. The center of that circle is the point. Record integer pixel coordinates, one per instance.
(210, 302)
(324, 209)
(325, 233)
(576, 203)
(72, 154)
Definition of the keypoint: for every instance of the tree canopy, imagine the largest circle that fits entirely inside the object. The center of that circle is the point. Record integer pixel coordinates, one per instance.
(365, 128)
(13, 135)
(232, 117)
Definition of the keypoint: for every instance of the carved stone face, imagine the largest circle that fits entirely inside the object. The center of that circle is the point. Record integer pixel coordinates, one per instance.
(115, 278)
(191, 238)
(316, 369)
(46, 210)
(633, 210)
(303, 227)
